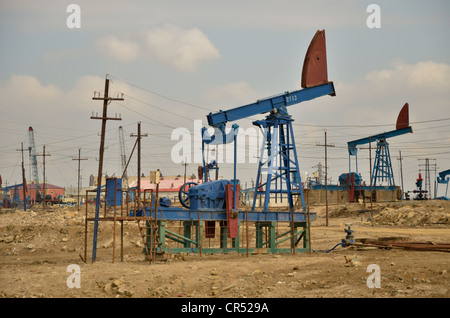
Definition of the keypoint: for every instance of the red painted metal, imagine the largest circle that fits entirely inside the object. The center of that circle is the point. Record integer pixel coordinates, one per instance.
(351, 187)
(232, 217)
(315, 71)
(403, 117)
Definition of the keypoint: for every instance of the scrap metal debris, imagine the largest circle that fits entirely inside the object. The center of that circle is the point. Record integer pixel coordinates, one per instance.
(410, 245)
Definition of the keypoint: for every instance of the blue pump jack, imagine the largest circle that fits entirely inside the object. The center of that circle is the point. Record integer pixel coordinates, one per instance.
(382, 168)
(443, 178)
(218, 201)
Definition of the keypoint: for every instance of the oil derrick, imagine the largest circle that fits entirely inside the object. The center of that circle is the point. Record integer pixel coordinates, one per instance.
(123, 158)
(33, 159)
(382, 168)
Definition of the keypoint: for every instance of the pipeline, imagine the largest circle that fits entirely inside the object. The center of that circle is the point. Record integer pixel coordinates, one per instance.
(349, 239)
(341, 243)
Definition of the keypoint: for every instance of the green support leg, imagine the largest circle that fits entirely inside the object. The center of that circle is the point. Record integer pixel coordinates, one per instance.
(306, 237)
(302, 234)
(272, 235)
(162, 234)
(223, 235)
(259, 234)
(187, 233)
(199, 233)
(235, 241)
(192, 243)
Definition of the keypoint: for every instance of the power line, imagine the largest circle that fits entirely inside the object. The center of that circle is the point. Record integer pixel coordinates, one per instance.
(79, 160)
(161, 95)
(303, 125)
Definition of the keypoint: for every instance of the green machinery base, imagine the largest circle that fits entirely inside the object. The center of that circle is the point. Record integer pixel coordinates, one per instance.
(193, 239)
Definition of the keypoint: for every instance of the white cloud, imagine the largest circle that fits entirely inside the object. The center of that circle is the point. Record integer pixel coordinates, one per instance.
(426, 74)
(26, 99)
(24, 89)
(378, 97)
(181, 49)
(120, 50)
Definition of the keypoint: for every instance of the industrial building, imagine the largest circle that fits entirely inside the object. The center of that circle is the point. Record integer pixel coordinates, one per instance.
(14, 194)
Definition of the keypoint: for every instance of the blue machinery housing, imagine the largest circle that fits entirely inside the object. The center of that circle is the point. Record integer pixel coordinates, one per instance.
(208, 205)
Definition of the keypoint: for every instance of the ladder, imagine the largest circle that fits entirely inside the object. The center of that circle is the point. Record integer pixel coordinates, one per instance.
(150, 239)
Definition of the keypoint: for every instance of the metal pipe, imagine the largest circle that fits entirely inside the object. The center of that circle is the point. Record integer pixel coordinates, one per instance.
(246, 228)
(114, 232)
(85, 228)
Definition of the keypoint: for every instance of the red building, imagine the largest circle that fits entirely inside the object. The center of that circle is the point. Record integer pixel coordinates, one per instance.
(50, 189)
(168, 186)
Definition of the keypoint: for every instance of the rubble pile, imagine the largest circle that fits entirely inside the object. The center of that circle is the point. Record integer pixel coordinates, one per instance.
(405, 213)
(413, 215)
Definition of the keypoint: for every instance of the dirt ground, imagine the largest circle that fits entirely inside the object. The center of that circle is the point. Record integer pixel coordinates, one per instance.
(37, 247)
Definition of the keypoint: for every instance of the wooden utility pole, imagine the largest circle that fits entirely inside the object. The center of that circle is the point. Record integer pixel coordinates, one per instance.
(401, 171)
(326, 174)
(139, 136)
(106, 100)
(44, 185)
(185, 166)
(79, 159)
(24, 183)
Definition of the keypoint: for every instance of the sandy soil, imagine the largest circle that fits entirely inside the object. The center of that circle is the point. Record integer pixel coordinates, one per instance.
(36, 248)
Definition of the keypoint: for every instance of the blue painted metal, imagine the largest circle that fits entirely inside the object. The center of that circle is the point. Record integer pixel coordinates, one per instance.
(208, 196)
(382, 168)
(113, 191)
(278, 140)
(352, 144)
(183, 194)
(281, 167)
(442, 175)
(234, 173)
(14, 195)
(181, 214)
(165, 202)
(279, 103)
(219, 137)
(349, 238)
(97, 216)
(12, 187)
(441, 179)
(207, 201)
(343, 179)
(334, 187)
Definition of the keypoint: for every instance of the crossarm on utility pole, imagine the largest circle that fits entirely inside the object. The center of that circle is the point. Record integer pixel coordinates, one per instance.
(106, 99)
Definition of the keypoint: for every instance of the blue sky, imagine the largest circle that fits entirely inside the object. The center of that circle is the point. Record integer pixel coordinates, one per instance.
(177, 60)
